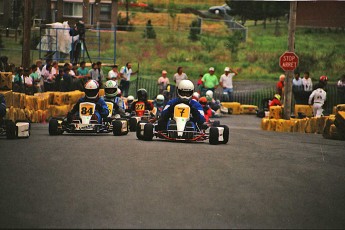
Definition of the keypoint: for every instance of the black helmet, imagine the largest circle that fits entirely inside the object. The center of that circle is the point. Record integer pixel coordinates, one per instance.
(142, 95)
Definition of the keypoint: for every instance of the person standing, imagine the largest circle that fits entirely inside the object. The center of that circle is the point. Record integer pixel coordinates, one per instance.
(113, 74)
(163, 82)
(297, 88)
(341, 89)
(226, 83)
(318, 96)
(179, 76)
(280, 85)
(307, 87)
(210, 81)
(94, 73)
(101, 74)
(125, 73)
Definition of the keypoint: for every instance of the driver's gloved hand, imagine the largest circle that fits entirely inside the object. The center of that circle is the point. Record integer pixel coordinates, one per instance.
(203, 126)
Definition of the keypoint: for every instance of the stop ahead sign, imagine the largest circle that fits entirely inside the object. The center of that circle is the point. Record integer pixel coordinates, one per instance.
(288, 61)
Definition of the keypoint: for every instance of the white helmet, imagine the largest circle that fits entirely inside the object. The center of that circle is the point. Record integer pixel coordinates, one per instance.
(130, 98)
(185, 89)
(91, 89)
(209, 94)
(119, 92)
(196, 95)
(110, 88)
(160, 99)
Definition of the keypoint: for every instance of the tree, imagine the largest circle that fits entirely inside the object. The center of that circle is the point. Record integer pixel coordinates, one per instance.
(149, 32)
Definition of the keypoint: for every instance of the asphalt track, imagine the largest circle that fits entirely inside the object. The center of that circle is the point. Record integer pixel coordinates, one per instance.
(260, 179)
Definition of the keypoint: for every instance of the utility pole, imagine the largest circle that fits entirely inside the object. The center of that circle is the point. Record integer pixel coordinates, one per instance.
(289, 74)
(26, 34)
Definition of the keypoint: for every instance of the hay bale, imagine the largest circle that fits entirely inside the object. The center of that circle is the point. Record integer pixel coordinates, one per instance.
(276, 112)
(248, 109)
(304, 109)
(233, 107)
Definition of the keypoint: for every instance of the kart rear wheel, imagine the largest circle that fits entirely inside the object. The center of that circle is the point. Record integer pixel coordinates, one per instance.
(11, 130)
(226, 133)
(54, 127)
(148, 132)
(214, 135)
(117, 128)
(139, 130)
(132, 124)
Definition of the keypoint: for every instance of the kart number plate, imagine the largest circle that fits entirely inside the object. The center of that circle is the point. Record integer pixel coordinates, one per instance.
(86, 109)
(140, 106)
(110, 108)
(181, 111)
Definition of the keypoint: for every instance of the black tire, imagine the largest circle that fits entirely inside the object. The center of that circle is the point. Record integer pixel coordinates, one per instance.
(11, 130)
(132, 124)
(172, 126)
(117, 128)
(190, 128)
(54, 127)
(226, 134)
(148, 132)
(216, 123)
(214, 134)
(138, 130)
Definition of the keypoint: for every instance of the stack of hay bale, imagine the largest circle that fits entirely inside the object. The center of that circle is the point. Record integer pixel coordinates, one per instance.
(236, 108)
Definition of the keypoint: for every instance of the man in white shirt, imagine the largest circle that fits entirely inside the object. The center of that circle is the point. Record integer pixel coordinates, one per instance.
(125, 73)
(163, 82)
(297, 88)
(319, 97)
(113, 74)
(226, 82)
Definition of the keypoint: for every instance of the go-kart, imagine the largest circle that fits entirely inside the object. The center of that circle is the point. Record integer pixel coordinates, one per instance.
(13, 130)
(87, 122)
(140, 114)
(180, 128)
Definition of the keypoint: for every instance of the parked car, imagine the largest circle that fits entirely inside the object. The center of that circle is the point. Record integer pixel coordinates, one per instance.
(224, 9)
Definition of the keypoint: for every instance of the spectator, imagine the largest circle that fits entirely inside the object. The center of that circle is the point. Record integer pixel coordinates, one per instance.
(318, 97)
(125, 73)
(66, 81)
(94, 73)
(200, 84)
(82, 76)
(4, 66)
(49, 78)
(323, 80)
(18, 81)
(275, 101)
(56, 72)
(163, 82)
(297, 88)
(39, 73)
(341, 90)
(101, 74)
(210, 81)
(36, 79)
(307, 88)
(180, 75)
(28, 82)
(226, 83)
(280, 85)
(113, 74)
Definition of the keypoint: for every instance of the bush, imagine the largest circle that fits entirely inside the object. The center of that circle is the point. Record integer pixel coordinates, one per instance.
(149, 31)
(195, 30)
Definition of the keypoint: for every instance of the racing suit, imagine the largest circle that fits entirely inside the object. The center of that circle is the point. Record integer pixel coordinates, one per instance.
(2, 107)
(207, 112)
(148, 106)
(116, 108)
(168, 112)
(319, 96)
(101, 110)
(159, 108)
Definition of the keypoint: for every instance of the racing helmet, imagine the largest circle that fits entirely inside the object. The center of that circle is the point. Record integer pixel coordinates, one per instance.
(110, 88)
(203, 101)
(323, 78)
(185, 90)
(277, 96)
(130, 99)
(196, 96)
(160, 99)
(209, 94)
(142, 95)
(91, 89)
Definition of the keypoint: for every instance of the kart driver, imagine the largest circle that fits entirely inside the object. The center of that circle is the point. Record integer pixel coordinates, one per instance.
(110, 90)
(184, 92)
(206, 108)
(91, 95)
(142, 103)
(158, 105)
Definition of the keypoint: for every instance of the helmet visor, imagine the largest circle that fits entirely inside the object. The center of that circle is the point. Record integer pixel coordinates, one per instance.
(110, 90)
(185, 93)
(91, 92)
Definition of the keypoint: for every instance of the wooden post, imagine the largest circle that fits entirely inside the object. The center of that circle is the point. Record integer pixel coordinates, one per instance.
(26, 34)
(289, 74)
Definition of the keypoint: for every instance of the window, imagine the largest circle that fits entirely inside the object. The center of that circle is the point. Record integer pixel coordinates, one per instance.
(72, 9)
(1, 6)
(105, 12)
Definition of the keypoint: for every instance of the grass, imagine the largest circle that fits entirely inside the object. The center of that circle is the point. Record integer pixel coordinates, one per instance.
(321, 52)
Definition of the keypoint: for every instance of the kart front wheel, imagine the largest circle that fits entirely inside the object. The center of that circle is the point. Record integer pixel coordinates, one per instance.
(140, 130)
(11, 130)
(148, 132)
(132, 124)
(54, 127)
(214, 135)
(226, 133)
